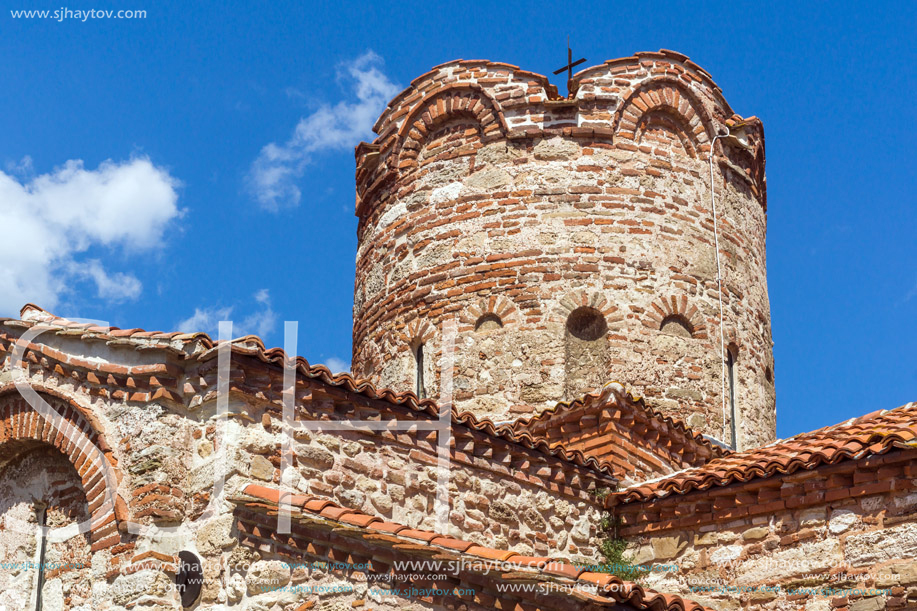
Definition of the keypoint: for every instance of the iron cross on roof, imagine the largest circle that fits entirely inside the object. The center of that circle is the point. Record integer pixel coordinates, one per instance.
(569, 67)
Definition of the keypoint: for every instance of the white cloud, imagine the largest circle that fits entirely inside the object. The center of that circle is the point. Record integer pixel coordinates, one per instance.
(337, 365)
(205, 320)
(50, 218)
(910, 295)
(273, 175)
(111, 287)
(260, 322)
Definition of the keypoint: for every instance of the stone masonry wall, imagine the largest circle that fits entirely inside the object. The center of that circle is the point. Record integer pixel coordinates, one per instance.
(779, 543)
(501, 493)
(570, 239)
(179, 455)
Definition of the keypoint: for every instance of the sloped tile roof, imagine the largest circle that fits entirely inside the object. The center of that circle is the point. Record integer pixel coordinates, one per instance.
(612, 590)
(875, 433)
(201, 347)
(601, 395)
(676, 430)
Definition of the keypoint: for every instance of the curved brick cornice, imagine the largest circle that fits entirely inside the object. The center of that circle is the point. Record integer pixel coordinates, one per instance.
(440, 106)
(675, 436)
(410, 94)
(662, 62)
(585, 298)
(672, 98)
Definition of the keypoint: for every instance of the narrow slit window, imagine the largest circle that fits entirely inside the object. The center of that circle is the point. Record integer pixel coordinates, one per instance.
(730, 372)
(418, 356)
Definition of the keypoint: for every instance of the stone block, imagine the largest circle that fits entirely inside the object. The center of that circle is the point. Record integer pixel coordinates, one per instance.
(665, 548)
(267, 576)
(881, 545)
(753, 534)
(874, 603)
(261, 468)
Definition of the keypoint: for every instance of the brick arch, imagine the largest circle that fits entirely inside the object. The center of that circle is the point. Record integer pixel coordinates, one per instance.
(418, 331)
(75, 435)
(495, 304)
(661, 102)
(584, 298)
(441, 106)
(676, 307)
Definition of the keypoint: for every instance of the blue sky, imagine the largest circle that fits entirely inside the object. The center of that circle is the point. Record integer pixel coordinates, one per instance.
(134, 162)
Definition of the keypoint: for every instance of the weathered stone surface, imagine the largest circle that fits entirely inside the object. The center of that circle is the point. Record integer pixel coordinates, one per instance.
(315, 456)
(841, 520)
(550, 149)
(235, 588)
(382, 502)
(502, 512)
(261, 468)
(267, 576)
(784, 564)
(888, 544)
(873, 603)
(216, 535)
(753, 534)
(665, 548)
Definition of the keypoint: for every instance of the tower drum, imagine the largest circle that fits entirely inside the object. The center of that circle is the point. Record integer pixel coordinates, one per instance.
(531, 248)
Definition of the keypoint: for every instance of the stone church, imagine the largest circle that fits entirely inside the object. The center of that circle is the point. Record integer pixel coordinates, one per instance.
(562, 394)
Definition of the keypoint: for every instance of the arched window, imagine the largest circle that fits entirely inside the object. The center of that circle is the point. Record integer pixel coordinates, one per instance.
(585, 351)
(676, 324)
(418, 357)
(587, 324)
(488, 322)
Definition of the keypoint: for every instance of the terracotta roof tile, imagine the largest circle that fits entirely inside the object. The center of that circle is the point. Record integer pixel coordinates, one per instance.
(490, 553)
(450, 543)
(562, 569)
(387, 527)
(530, 567)
(316, 505)
(872, 434)
(361, 520)
(533, 561)
(423, 535)
(335, 513)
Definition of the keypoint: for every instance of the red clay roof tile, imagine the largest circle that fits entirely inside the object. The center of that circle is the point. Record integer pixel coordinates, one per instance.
(872, 434)
(450, 543)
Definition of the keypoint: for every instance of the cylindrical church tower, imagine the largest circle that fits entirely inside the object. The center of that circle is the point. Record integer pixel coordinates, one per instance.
(569, 242)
